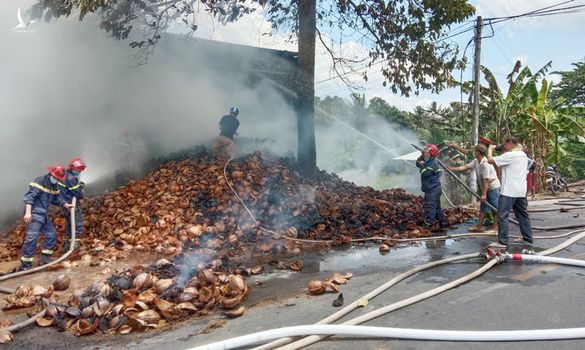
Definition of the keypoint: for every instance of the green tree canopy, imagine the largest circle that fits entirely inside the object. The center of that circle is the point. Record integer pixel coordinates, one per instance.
(572, 85)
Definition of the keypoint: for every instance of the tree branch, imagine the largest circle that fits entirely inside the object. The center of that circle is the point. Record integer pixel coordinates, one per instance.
(365, 23)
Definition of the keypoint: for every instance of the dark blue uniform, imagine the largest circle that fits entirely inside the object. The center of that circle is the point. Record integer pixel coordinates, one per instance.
(430, 177)
(40, 195)
(229, 126)
(69, 188)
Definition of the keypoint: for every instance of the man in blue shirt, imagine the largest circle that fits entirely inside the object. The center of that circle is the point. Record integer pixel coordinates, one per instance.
(430, 175)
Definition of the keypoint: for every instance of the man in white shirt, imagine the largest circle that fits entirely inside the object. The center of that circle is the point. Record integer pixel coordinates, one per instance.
(514, 166)
(489, 184)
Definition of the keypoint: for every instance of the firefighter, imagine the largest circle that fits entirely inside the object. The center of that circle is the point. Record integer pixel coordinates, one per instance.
(42, 192)
(68, 188)
(430, 174)
(228, 126)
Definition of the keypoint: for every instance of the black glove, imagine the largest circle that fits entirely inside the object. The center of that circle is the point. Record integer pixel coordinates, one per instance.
(82, 184)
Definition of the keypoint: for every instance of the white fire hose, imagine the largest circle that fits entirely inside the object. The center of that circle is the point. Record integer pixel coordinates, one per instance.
(32, 319)
(315, 332)
(544, 259)
(43, 267)
(397, 333)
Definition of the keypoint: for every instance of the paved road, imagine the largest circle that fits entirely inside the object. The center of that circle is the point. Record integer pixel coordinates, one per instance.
(510, 296)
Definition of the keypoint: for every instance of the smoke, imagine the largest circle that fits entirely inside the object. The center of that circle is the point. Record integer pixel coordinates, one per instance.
(70, 90)
(365, 157)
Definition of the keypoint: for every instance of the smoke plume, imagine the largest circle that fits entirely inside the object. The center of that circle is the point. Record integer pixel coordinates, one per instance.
(70, 90)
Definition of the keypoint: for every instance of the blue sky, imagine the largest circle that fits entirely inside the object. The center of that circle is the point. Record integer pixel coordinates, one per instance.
(533, 41)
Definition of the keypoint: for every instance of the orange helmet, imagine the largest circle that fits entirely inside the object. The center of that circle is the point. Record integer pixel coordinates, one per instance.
(432, 149)
(77, 164)
(57, 171)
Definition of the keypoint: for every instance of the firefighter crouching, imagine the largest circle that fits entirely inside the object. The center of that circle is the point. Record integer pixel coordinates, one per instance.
(42, 192)
(68, 188)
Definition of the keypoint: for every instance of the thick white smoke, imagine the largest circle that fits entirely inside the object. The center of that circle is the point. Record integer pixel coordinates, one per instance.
(70, 90)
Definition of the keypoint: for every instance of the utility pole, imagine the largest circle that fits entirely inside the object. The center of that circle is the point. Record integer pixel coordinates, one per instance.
(476, 77)
(476, 84)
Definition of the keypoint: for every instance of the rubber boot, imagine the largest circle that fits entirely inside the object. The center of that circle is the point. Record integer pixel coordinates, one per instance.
(44, 259)
(25, 265)
(66, 245)
(444, 227)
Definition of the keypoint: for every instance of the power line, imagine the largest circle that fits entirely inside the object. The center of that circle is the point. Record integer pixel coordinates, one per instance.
(544, 11)
(540, 13)
(368, 66)
(530, 12)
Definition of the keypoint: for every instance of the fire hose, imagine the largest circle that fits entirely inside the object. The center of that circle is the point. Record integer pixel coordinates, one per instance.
(544, 259)
(472, 192)
(398, 333)
(492, 336)
(366, 298)
(375, 238)
(63, 257)
(32, 319)
(376, 313)
(562, 209)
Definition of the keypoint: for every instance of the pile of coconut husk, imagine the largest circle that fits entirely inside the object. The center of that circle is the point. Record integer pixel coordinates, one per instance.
(185, 210)
(187, 201)
(137, 298)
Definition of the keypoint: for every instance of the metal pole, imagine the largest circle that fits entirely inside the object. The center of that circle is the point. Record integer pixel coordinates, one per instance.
(476, 83)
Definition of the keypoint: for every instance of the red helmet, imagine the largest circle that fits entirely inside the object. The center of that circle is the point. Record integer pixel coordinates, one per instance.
(77, 164)
(432, 149)
(57, 171)
(485, 141)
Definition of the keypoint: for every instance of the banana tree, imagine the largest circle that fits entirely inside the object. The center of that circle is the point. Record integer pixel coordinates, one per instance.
(528, 112)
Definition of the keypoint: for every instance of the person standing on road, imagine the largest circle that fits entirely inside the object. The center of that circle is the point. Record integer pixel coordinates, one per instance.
(430, 175)
(514, 167)
(228, 126)
(42, 192)
(489, 185)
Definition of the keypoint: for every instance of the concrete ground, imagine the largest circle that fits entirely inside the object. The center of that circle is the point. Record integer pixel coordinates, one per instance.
(510, 296)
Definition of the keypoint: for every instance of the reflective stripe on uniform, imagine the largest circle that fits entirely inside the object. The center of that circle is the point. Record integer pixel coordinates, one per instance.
(47, 251)
(61, 184)
(74, 187)
(429, 168)
(44, 189)
(22, 258)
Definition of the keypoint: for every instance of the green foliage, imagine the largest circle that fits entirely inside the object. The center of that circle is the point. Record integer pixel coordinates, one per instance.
(572, 86)
(572, 164)
(549, 129)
